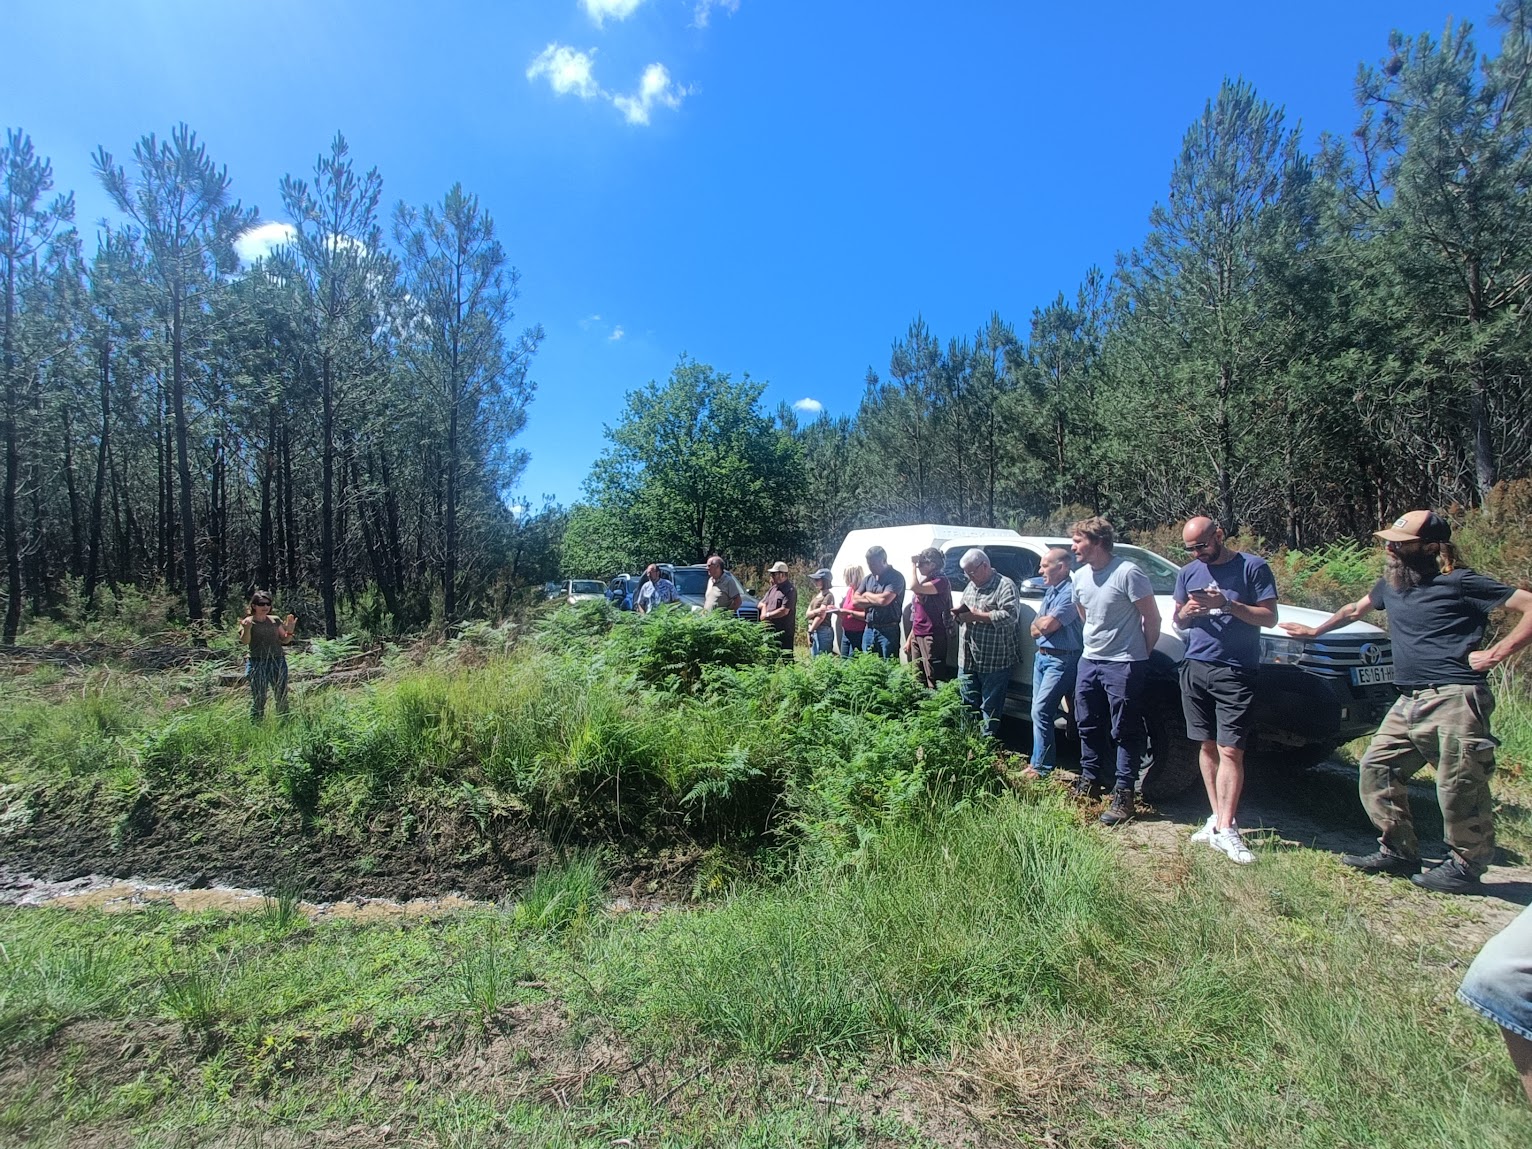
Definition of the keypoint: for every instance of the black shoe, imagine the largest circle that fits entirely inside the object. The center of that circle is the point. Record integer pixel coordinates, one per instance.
(1451, 877)
(1086, 791)
(1121, 809)
(1382, 862)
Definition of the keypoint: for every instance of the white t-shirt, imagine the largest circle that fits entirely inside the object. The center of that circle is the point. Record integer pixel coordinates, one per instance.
(1114, 630)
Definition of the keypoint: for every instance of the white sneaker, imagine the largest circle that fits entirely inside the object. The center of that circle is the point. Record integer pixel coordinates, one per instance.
(1209, 828)
(1232, 844)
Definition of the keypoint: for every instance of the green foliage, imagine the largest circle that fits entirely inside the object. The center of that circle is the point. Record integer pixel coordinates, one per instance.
(694, 467)
(672, 647)
(562, 895)
(1328, 576)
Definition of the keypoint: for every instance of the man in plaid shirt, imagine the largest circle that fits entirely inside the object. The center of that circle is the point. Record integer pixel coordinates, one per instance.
(991, 647)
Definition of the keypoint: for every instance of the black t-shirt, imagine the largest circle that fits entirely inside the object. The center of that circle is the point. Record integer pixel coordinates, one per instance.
(885, 617)
(1437, 624)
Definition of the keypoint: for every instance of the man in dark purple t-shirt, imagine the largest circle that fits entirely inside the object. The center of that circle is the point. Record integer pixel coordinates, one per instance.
(1223, 598)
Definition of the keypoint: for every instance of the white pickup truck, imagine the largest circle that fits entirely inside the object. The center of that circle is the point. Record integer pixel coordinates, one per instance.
(1312, 694)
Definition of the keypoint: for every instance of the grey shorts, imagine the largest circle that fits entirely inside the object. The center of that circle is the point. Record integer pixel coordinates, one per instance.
(1499, 983)
(1217, 700)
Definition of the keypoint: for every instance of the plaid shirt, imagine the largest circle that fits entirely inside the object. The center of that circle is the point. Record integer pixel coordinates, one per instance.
(994, 645)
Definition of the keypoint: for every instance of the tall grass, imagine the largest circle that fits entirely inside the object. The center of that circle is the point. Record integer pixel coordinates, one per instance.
(1237, 1007)
(676, 725)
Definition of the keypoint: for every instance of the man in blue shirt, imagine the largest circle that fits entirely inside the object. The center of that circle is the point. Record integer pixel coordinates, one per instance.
(1056, 630)
(1223, 598)
(881, 595)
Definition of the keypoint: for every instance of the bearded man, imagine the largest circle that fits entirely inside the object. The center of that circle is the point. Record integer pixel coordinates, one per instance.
(1438, 611)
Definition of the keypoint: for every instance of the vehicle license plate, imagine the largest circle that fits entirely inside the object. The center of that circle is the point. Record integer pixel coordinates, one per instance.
(1371, 675)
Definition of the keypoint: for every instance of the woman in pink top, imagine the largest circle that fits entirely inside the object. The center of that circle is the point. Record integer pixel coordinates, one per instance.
(852, 621)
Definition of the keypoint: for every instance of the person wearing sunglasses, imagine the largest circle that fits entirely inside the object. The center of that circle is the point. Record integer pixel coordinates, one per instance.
(267, 666)
(1223, 598)
(1438, 610)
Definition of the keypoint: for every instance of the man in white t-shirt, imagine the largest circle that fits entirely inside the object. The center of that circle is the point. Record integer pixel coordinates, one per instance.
(1122, 624)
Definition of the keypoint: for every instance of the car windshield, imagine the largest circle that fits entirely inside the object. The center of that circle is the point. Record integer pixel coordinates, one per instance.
(586, 586)
(691, 581)
(1161, 571)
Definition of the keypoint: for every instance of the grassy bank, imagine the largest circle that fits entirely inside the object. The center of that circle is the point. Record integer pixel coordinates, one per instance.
(1000, 972)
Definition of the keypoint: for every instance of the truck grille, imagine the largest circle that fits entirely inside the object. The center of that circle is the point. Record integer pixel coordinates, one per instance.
(749, 613)
(1337, 654)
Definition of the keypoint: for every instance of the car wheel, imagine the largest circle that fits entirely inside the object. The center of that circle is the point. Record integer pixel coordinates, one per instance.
(1171, 765)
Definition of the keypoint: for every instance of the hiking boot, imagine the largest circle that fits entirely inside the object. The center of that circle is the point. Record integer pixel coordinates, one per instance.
(1451, 877)
(1382, 862)
(1086, 791)
(1121, 809)
(1232, 844)
(1209, 828)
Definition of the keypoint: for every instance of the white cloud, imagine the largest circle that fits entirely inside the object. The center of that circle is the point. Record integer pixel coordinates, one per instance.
(809, 406)
(602, 10)
(567, 70)
(655, 88)
(617, 333)
(704, 8)
(261, 240)
(570, 71)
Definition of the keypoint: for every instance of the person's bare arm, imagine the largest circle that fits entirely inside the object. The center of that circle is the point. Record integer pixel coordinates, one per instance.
(1149, 617)
(288, 628)
(1348, 613)
(1520, 636)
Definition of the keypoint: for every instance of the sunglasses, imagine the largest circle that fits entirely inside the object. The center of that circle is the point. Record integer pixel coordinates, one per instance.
(1193, 548)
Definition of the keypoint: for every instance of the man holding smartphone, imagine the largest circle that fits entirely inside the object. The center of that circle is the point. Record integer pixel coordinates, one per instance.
(1223, 598)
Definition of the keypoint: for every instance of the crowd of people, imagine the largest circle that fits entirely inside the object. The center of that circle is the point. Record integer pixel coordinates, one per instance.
(1093, 634)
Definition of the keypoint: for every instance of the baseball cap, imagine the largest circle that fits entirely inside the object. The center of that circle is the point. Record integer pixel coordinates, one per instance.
(1427, 526)
(824, 574)
(778, 568)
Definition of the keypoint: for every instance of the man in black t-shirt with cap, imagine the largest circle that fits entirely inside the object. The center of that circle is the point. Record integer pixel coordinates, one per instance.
(1438, 610)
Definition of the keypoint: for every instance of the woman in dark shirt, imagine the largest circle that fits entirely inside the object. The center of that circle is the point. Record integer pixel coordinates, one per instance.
(266, 637)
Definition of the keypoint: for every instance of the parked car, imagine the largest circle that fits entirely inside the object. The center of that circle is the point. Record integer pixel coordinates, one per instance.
(620, 590)
(584, 590)
(691, 588)
(1311, 694)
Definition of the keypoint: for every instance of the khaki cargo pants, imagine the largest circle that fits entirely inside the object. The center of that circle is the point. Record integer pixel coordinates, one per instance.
(1447, 726)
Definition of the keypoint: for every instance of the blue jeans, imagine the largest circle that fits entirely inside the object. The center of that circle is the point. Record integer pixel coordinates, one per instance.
(883, 643)
(985, 692)
(1109, 712)
(850, 642)
(822, 641)
(1053, 677)
(1499, 983)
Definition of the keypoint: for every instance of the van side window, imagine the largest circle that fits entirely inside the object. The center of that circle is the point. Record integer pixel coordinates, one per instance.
(1013, 562)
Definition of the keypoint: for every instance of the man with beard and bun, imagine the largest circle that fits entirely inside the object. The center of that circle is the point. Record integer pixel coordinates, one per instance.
(1438, 610)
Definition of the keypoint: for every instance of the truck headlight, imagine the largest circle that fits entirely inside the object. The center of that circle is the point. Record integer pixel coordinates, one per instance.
(1281, 651)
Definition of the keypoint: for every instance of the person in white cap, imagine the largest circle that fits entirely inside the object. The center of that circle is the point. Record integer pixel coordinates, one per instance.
(818, 619)
(779, 607)
(1438, 611)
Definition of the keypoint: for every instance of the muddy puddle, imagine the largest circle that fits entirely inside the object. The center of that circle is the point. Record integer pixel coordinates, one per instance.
(124, 895)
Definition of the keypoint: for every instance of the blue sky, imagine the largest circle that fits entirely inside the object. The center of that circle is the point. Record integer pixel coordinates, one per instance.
(775, 187)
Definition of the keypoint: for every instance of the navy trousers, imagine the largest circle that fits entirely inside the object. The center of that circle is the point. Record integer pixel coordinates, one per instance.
(1109, 712)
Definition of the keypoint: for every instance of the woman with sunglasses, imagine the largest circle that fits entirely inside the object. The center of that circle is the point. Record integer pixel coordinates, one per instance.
(267, 668)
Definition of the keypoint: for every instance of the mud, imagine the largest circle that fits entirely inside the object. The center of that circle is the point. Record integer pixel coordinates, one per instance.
(185, 846)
